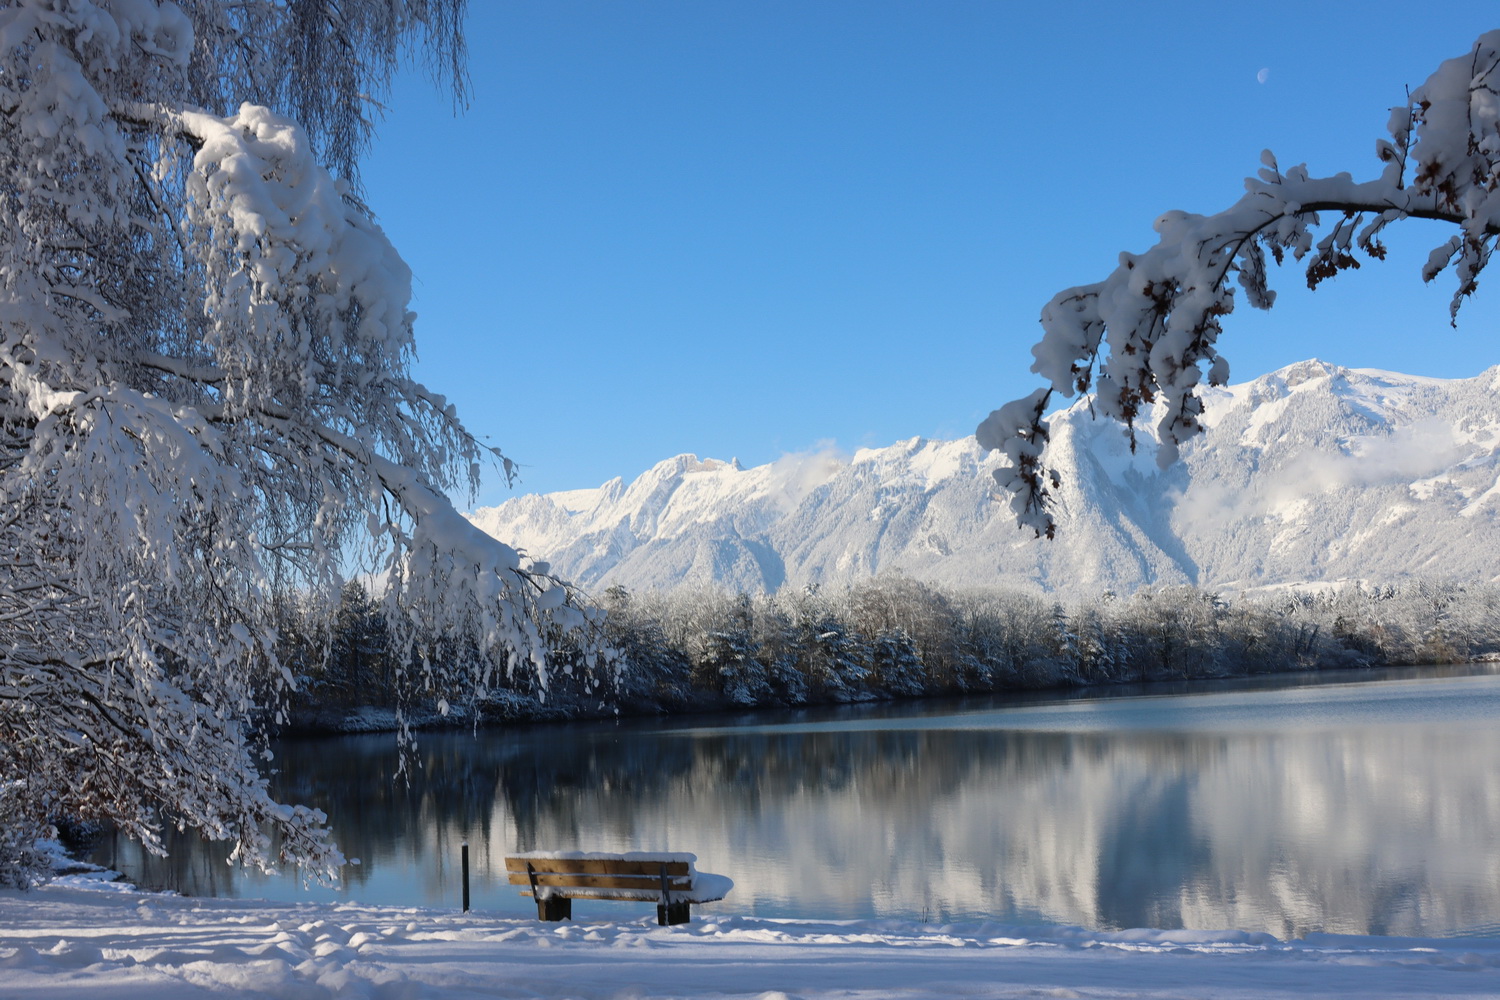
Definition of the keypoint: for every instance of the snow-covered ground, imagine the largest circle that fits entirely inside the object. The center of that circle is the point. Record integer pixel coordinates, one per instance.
(78, 938)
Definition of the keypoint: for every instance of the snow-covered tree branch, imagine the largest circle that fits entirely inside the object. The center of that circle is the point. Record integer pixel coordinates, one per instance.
(1148, 333)
(205, 402)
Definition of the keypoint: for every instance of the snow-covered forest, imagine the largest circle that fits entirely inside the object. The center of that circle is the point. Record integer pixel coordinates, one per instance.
(894, 637)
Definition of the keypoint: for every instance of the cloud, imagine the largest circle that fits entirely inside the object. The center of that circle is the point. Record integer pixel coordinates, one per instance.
(1263, 75)
(1414, 452)
(799, 473)
(1410, 454)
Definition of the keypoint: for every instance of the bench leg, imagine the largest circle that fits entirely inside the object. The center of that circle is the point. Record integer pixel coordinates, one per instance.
(673, 913)
(554, 908)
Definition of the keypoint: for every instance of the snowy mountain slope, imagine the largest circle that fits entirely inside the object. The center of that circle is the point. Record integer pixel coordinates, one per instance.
(1310, 473)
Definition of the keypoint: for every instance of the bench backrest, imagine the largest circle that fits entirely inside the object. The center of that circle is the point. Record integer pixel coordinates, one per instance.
(598, 873)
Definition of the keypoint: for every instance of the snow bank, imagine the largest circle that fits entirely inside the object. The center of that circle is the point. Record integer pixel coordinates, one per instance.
(65, 942)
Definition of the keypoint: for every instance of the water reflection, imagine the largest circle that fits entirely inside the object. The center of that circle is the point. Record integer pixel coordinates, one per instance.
(1276, 823)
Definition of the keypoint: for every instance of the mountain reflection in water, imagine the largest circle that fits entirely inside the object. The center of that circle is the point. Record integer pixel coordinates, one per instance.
(1283, 810)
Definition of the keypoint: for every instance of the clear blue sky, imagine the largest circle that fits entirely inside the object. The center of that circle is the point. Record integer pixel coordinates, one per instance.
(745, 227)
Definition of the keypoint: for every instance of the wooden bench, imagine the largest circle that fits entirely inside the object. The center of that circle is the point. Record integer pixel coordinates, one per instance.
(555, 879)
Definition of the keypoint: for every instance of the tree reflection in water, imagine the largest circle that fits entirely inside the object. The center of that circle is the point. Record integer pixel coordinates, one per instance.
(1348, 827)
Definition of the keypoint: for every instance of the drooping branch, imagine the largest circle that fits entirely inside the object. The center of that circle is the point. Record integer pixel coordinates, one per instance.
(1146, 336)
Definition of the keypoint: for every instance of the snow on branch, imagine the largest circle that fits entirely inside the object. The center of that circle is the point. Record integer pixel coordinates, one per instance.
(1148, 333)
(207, 411)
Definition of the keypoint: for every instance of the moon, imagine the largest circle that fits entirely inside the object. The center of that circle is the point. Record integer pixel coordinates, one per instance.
(1263, 75)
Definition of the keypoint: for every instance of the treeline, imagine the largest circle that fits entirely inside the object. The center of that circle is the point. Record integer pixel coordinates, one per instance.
(894, 637)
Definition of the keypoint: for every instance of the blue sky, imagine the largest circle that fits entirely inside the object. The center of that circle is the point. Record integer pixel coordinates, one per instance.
(741, 228)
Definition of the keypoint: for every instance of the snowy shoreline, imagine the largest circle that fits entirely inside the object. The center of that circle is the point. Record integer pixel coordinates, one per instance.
(311, 722)
(83, 938)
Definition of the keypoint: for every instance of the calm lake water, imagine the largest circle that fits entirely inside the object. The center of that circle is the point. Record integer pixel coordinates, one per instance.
(1366, 803)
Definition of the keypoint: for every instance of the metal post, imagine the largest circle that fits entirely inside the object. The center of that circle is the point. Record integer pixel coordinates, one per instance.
(466, 876)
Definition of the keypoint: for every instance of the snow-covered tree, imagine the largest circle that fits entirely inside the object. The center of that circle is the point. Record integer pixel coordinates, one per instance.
(1175, 632)
(1012, 633)
(928, 619)
(825, 650)
(728, 661)
(654, 670)
(357, 669)
(895, 663)
(205, 400)
(774, 635)
(1148, 332)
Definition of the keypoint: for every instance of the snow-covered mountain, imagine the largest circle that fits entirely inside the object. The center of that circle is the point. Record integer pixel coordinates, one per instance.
(1311, 473)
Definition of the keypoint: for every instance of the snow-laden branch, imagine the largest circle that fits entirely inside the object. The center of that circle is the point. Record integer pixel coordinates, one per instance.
(207, 410)
(1148, 333)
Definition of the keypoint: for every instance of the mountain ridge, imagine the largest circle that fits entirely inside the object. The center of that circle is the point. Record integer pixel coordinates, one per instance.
(1312, 474)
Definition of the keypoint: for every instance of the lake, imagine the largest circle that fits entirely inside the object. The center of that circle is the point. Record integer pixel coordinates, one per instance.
(1365, 803)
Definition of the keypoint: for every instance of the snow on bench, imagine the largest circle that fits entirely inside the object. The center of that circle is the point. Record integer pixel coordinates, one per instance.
(556, 878)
